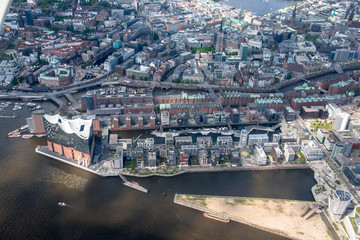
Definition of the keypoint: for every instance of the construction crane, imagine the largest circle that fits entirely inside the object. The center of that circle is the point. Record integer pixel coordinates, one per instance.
(135, 140)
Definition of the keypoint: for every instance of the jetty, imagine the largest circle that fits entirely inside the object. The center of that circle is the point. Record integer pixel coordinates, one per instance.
(133, 184)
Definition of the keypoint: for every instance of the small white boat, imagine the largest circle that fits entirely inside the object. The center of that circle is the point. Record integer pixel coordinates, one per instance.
(227, 132)
(62, 204)
(31, 104)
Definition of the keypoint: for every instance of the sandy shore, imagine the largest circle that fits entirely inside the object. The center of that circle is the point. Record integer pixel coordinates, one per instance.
(280, 216)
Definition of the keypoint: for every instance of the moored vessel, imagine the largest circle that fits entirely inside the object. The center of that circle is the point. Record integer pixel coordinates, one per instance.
(212, 216)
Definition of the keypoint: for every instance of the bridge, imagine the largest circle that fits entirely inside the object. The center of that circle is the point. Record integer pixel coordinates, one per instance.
(133, 184)
(56, 100)
(276, 126)
(70, 97)
(261, 128)
(60, 91)
(338, 68)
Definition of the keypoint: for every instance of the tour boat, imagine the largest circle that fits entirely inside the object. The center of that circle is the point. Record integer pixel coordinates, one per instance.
(211, 216)
(227, 132)
(205, 132)
(62, 204)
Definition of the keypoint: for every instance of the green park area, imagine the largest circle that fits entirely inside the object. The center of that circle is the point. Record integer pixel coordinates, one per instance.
(318, 124)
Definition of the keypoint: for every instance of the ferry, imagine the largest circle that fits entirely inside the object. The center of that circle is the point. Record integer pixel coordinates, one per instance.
(62, 204)
(221, 219)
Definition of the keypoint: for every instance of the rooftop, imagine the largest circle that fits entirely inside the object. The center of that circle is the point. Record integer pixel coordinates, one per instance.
(77, 126)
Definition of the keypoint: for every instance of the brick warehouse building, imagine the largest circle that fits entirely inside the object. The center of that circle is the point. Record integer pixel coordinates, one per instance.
(184, 98)
(94, 100)
(70, 138)
(326, 81)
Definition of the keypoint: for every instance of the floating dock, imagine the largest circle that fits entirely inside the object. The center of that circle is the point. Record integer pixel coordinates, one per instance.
(133, 184)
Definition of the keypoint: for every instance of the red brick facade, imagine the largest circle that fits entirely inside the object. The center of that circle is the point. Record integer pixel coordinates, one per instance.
(70, 152)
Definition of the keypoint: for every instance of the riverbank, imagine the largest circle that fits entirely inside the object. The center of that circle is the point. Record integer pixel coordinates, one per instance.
(279, 216)
(105, 168)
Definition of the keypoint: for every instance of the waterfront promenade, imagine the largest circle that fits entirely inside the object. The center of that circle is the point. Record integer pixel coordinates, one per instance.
(98, 169)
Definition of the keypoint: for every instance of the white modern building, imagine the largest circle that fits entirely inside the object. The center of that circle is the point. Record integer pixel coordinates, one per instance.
(333, 110)
(289, 154)
(311, 150)
(341, 121)
(260, 155)
(243, 138)
(257, 138)
(338, 203)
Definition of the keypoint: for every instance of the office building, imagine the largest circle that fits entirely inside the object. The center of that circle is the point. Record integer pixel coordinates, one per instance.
(118, 161)
(311, 150)
(243, 51)
(289, 114)
(257, 139)
(243, 138)
(338, 203)
(341, 121)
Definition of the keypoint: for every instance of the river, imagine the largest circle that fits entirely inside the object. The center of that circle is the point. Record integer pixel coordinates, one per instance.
(31, 185)
(259, 7)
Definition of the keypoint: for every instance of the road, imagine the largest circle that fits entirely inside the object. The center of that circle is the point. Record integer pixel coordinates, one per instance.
(332, 163)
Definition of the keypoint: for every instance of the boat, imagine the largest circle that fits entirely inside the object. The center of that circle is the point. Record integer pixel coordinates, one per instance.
(135, 183)
(37, 107)
(204, 132)
(31, 104)
(14, 135)
(23, 127)
(213, 130)
(237, 133)
(217, 218)
(227, 132)
(27, 136)
(163, 134)
(62, 204)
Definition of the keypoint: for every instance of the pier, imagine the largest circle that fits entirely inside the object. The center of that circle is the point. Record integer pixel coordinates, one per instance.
(132, 184)
(309, 214)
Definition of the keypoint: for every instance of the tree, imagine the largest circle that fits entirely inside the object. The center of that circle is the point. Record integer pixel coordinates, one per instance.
(27, 52)
(288, 76)
(177, 80)
(155, 36)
